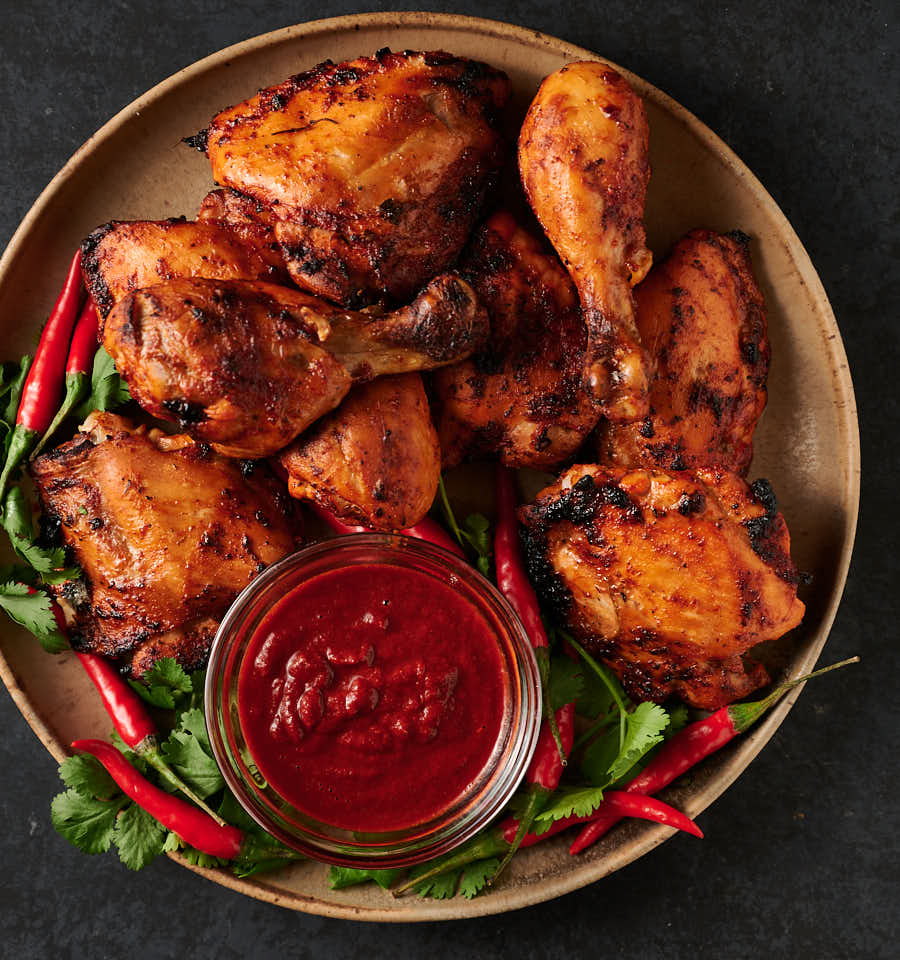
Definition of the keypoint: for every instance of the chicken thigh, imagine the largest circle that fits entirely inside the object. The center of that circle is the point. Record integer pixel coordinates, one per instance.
(521, 397)
(374, 461)
(702, 319)
(127, 255)
(373, 170)
(584, 165)
(669, 578)
(166, 533)
(248, 366)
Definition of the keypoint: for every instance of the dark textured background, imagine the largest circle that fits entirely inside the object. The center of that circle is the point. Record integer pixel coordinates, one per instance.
(800, 858)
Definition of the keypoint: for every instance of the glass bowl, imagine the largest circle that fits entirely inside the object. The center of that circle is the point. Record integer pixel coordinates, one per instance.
(480, 803)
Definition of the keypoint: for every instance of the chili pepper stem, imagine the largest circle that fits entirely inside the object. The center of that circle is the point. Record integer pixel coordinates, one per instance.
(151, 754)
(19, 447)
(744, 715)
(482, 847)
(77, 387)
(537, 800)
(542, 656)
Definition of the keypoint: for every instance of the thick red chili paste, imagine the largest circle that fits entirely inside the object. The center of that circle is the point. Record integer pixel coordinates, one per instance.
(372, 696)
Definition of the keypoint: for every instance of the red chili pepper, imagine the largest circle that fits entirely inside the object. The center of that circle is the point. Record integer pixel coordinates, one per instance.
(40, 394)
(514, 584)
(511, 577)
(193, 826)
(497, 840)
(78, 368)
(125, 708)
(686, 749)
(557, 730)
(425, 529)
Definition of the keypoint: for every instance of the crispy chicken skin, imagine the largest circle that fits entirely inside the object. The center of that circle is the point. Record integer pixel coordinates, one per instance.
(520, 397)
(584, 165)
(166, 532)
(669, 578)
(375, 460)
(702, 319)
(248, 366)
(127, 255)
(374, 170)
(235, 209)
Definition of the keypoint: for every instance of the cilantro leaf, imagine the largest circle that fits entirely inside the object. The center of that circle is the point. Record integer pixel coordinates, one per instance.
(571, 802)
(108, 389)
(643, 731)
(606, 762)
(678, 719)
(138, 836)
(172, 843)
(31, 609)
(596, 699)
(441, 887)
(17, 521)
(189, 752)
(13, 393)
(85, 775)
(339, 878)
(475, 532)
(566, 682)
(244, 869)
(85, 822)
(162, 683)
(168, 672)
(599, 756)
(476, 875)
(198, 859)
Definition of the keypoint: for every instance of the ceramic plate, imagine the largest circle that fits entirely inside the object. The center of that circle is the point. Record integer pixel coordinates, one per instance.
(807, 443)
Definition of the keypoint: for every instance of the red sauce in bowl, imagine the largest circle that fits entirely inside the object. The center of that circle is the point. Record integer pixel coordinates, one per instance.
(372, 696)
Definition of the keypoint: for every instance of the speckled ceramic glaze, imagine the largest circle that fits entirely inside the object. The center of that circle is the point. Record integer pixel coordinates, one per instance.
(807, 443)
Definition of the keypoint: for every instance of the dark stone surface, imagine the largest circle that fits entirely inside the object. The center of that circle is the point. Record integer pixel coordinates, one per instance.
(800, 858)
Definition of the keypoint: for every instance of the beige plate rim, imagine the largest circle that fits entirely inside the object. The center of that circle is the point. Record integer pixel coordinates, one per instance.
(581, 874)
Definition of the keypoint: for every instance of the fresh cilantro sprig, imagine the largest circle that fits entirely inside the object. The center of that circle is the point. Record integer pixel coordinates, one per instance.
(474, 534)
(165, 685)
(468, 881)
(108, 389)
(339, 878)
(12, 380)
(30, 607)
(94, 814)
(16, 519)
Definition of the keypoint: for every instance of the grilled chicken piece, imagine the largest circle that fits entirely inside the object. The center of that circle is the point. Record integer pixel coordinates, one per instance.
(127, 255)
(166, 532)
(520, 397)
(584, 166)
(189, 645)
(374, 170)
(669, 578)
(247, 366)
(375, 460)
(235, 209)
(702, 319)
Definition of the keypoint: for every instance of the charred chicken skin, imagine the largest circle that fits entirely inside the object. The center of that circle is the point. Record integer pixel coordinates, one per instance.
(373, 170)
(702, 319)
(374, 461)
(166, 533)
(669, 578)
(248, 366)
(123, 256)
(520, 397)
(584, 165)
